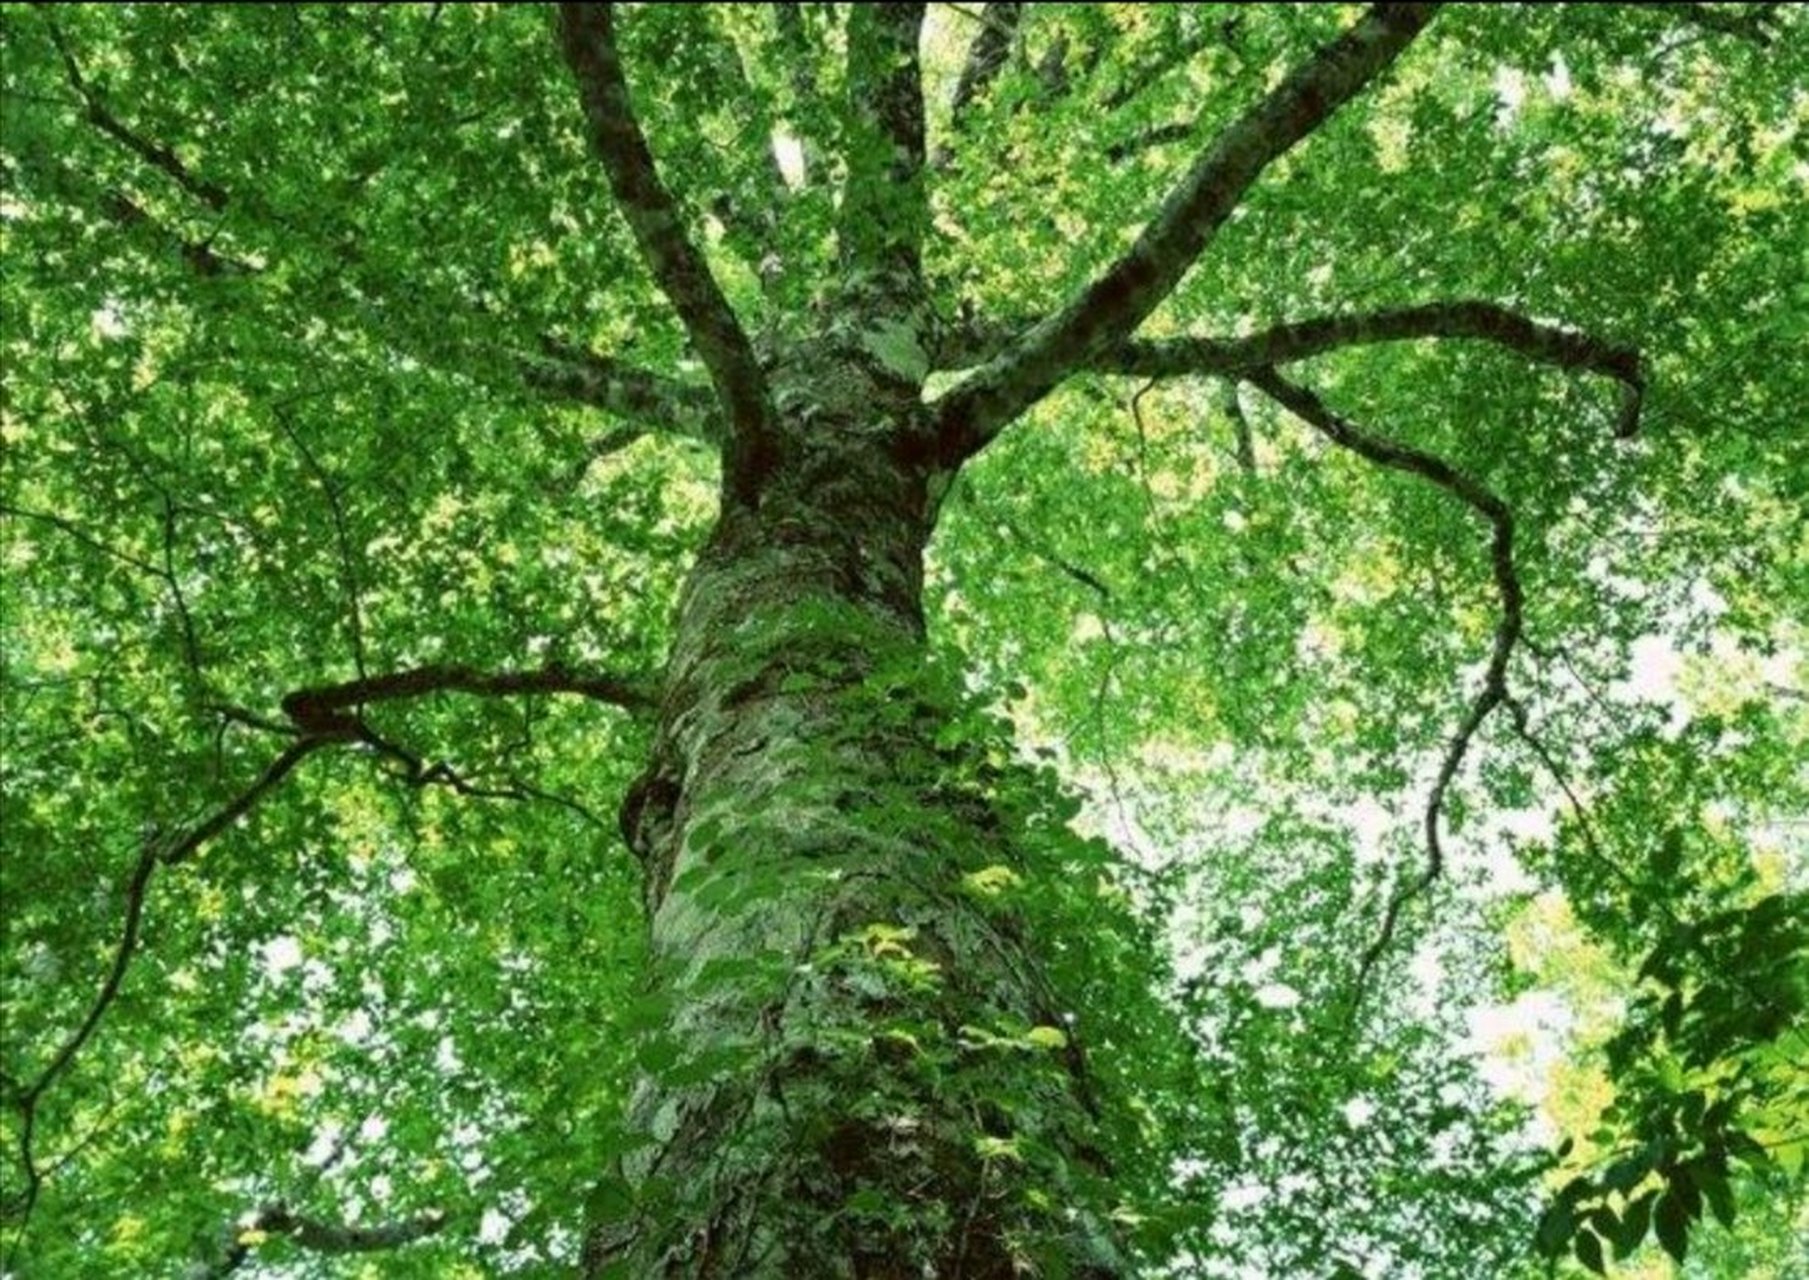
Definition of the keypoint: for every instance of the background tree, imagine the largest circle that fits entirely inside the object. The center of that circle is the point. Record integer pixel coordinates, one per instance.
(834, 437)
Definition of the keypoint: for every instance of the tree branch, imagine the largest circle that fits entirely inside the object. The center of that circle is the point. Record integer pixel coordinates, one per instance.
(152, 852)
(587, 37)
(800, 57)
(985, 56)
(1240, 429)
(603, 382)
(1395, 456)
(321, 716)
(348, 565)
(151, 152)
(332, 707)
(559, 369)
(1483, 321)
(1757, 24)
(321, 1236)
(1107, 310)
(884, 209)
(755, 224)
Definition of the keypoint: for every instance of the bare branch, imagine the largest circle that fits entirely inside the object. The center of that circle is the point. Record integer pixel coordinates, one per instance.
(1482, 321)
(1395, 456)
(587, 37)
(1106, 311)
(884, 210)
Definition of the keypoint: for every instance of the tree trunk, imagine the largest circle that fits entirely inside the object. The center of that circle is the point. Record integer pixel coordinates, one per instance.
(857, 1069)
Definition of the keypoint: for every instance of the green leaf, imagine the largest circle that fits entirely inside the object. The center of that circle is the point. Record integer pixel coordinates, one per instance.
(1671, 1222)
(1712, 1181)
(1556, 1225)
(1626, 1173)
(1636, 1218)
(1589, 1251)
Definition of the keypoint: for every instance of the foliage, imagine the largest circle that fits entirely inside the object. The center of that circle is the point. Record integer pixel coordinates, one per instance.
(354, 460)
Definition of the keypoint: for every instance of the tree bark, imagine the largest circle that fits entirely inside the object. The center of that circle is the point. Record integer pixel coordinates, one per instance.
(858, 1069)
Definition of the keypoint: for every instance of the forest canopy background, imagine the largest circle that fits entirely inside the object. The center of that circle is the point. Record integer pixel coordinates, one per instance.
(1400, 634)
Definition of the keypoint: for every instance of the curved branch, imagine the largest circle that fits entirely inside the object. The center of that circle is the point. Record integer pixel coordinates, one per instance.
(587, 38)
(152, 852)
(322, 716)
(1395, 456)
(1106, 311)
(1468, 318)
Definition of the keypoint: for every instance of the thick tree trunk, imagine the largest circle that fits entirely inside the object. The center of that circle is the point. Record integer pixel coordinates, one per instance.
(858, 1070)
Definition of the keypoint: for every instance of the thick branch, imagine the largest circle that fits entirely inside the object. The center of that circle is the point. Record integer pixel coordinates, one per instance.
(322, 1236)
(587, 36)
(584, 376)
(1106, 311)
(1306, 406)
(800, 57)
(985, 56)
(1483, 321)
(884, 210)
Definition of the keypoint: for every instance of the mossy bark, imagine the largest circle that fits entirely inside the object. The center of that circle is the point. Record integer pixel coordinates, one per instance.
(858, 1070)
